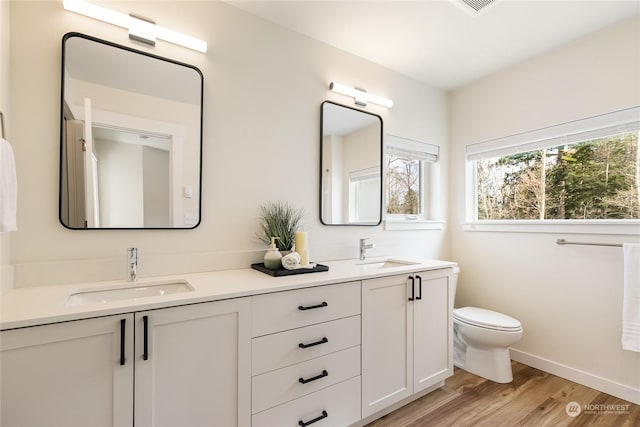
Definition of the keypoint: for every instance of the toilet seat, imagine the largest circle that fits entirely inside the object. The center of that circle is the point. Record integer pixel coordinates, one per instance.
(487, 319)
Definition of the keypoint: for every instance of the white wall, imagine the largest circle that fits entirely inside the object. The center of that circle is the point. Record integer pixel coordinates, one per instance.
(263, 89)
(569, 299)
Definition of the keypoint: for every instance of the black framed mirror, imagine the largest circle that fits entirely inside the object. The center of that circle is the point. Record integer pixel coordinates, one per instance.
(350, 166)
(130, 139)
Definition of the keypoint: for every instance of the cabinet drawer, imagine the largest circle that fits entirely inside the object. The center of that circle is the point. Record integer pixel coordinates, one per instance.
(340, 403)
(281, 311)
(276, 351)
(276, 387)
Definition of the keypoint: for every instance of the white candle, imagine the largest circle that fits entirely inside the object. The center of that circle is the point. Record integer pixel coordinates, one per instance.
(301, 240)
(304, 256)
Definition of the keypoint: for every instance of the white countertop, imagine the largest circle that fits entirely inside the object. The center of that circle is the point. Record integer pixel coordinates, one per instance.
(40, 305)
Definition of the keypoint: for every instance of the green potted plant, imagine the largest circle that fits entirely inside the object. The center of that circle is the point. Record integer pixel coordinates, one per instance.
(279, 219)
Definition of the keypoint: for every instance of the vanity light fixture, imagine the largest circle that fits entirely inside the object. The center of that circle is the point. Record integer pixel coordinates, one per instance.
(360, 96)
(140, 29)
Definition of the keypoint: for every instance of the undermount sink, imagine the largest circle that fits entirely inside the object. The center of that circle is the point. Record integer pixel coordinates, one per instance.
(388, 263)
(126, 291)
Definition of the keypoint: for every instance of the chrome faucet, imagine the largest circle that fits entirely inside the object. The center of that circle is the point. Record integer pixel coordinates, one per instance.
(132, 264)
(364, 246)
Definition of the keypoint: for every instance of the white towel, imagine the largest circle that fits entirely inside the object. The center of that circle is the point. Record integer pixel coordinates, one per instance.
(631, 298)
(291, 261)
(8, 188)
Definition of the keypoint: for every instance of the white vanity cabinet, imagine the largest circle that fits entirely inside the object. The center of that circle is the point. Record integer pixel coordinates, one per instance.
(339, 351)
(76, 373)
(306, 356)
(190, 366)
(193, 364)
(407, 341)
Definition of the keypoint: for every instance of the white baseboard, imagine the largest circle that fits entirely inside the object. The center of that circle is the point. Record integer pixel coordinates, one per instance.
(604, 385)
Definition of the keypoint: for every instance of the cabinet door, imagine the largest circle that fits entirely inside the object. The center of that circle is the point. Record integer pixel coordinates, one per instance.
(68, 374)
(432, 330)
(193, 365)
(387, 354)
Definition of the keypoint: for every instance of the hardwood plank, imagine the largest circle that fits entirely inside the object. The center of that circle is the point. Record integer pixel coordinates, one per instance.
(463, 410)
(525, 398)
(551, 413)
(462, 380)
(573, 392)
(416, 409)
(534, 398)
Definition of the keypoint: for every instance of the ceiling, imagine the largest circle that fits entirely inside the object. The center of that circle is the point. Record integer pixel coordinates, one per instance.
(444, 43)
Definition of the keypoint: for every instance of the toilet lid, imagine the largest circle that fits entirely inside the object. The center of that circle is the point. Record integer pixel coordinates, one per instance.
(486, 319)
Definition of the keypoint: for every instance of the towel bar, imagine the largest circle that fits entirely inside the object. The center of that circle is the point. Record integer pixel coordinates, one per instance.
(565, 242)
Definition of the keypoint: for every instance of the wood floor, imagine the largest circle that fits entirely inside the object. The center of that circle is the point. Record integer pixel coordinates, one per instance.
(534, 398)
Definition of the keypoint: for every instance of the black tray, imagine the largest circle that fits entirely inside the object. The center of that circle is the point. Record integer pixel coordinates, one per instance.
(284, 272)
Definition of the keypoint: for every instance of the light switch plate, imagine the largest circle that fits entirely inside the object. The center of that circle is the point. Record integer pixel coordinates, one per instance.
(188, 192)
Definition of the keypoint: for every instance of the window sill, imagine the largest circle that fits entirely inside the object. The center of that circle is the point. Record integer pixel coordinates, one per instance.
(625, 227)
(414, 224)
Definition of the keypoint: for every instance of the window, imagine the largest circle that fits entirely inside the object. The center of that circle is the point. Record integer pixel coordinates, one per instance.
(404, 186)
(583, 170)
(411, 180)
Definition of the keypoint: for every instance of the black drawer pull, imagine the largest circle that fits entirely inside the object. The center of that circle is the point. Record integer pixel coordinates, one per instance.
(419, 287)
(123, 322)
(413, 288)
(311, 344)
(311, 307)
(317, 377)
(308, 423)
(145, 343)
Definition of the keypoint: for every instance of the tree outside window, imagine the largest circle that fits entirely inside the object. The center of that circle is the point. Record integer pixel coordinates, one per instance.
(403, 185)
(596, 179)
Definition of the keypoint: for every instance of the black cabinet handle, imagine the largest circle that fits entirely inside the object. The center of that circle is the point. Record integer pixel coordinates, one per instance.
(311, 344)
(317, 377)
(419, 287)
(145, 342)
(123, 323)
(311, 307)
(308, 423)
(413, 285)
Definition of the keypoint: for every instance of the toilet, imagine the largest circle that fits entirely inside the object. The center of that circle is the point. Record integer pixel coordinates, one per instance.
(481, 341)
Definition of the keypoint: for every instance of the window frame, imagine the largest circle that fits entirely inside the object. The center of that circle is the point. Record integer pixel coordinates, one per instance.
(626, 120)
